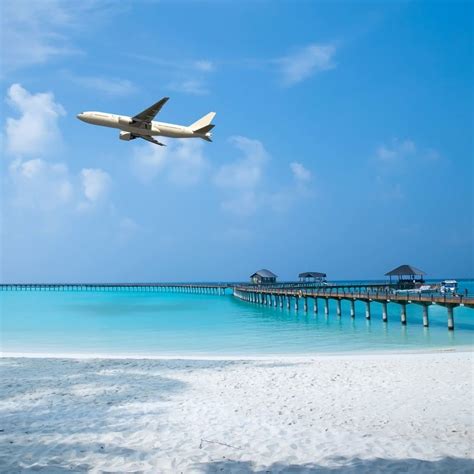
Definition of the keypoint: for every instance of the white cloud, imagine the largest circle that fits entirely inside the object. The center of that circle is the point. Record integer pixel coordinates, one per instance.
(40, 185)
(243, 185)
(394, 161)
(306, 62)
(300, 173)
(182, 162)
(36, 183)
(240, 179)
(95, 183)
(36, 131)
(395, 151)
(246, 172)
(185, 76)
(191, 86)
(34, 32)
(127, 229)
(204, 65)
(108, 86)
(400, 155)
(245, 203)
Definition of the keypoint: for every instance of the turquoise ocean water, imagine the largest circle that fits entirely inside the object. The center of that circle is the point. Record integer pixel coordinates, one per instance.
(145, 323)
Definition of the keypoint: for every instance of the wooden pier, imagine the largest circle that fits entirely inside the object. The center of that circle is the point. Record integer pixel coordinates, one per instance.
(284, 297)
(200, 288)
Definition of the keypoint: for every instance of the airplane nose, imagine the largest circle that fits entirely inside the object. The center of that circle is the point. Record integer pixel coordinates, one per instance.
(80, 116)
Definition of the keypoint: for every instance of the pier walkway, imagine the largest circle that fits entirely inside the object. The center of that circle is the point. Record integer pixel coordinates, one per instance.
(202, 288)
(280, 297)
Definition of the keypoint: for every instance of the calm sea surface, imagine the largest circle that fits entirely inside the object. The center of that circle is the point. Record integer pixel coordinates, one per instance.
(140, 323)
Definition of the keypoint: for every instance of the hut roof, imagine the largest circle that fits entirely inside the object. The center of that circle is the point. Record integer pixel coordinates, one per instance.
(405, 270)
(312, 275)
(264, 273)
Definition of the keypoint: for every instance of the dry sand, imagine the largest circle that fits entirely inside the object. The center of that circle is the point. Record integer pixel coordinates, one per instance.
(371, 413)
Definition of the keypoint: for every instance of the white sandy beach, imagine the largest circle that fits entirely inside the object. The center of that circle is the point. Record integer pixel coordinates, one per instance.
(371, 413)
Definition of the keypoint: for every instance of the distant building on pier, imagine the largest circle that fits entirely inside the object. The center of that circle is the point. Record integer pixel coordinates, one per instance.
(315, 277)
(409, 277)
(263, 277)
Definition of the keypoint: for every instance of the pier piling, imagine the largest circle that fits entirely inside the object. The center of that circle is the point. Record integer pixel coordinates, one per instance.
(384, 312)
(403, 313)
(426, 321)
(367, 310)
(450, 317)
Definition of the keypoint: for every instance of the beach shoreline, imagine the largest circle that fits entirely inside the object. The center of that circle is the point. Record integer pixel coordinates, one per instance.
(349, 413)
(233, 357)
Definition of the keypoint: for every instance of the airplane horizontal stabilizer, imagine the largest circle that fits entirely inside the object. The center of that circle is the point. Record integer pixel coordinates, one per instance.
(205, 129)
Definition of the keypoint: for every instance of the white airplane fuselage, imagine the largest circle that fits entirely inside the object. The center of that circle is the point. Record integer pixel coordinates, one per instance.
(126, 124)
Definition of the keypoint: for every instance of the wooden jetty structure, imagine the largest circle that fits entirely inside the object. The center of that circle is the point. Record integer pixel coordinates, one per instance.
(285, 294)
(366, 293)
(200, 288)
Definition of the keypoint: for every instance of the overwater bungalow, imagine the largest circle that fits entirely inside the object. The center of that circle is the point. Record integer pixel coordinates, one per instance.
(263, 277)
(313, 277)
(409, 277)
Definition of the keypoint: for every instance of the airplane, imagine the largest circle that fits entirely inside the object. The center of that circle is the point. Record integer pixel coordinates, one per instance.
(143, 126)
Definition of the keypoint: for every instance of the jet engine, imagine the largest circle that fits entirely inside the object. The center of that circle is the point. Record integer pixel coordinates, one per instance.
(127, 136)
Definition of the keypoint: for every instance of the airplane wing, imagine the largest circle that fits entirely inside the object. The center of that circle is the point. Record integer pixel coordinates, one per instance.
(149, 114)
(149, 139)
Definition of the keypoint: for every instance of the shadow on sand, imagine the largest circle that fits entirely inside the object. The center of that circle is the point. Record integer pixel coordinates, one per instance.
(344, 466)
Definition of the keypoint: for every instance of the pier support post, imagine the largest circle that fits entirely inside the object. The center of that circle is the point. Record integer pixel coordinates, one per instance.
(326, 306)
(403, 314)
(367, 310)
(305, 304)
(288, 302)
(353, 311)
(297, 302)
(426, 321)
(450, 317)
(338, 307)
(384, 312)
(315, 306)
(275, 302)
(281, 301)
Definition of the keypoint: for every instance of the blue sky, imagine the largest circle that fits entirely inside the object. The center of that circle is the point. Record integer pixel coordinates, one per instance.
(343, 139)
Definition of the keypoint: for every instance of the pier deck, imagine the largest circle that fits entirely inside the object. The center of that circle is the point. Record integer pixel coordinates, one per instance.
(214, 288)
(283, 297)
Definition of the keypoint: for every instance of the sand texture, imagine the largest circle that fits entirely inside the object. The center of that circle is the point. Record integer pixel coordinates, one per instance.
(371, 413)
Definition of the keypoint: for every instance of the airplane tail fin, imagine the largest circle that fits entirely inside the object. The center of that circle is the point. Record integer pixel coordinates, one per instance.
(202, 123)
